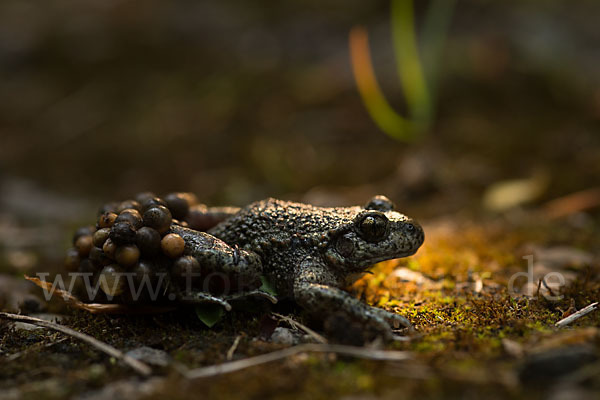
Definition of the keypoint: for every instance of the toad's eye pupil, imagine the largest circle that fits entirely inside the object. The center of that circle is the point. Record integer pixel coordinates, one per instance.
(410, 227)
(373, 227)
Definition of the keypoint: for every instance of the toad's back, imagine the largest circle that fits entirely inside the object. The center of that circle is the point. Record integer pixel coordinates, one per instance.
(283, 233)
(278, 222)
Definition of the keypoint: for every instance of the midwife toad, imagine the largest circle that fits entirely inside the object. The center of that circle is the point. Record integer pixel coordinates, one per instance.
(307, 253)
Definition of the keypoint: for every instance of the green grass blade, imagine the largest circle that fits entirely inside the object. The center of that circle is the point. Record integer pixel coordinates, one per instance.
(408, 61)
(390, 122)
(435, 31)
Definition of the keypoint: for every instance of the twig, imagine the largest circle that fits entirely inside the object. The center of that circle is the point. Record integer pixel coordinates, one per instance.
(539, 285)
(572, 203)
(586, 310)
(138, 366)
(547, 287)
(233, 347)
(14, 356)
(98, 308)
(359, 352)
(297, 325)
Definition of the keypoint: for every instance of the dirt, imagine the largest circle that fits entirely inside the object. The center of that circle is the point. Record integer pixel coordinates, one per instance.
(472, 336)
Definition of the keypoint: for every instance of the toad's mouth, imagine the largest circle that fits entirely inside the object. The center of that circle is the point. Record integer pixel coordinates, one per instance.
(366, 267)
(359, 272)
(396, 256)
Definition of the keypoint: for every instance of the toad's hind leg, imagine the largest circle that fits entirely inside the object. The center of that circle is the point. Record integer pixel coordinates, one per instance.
(193, 297)
(252, 293)
(239, 270)
(215, 255)
(198, 297)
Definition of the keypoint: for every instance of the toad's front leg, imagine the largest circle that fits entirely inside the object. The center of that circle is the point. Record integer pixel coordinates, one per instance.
(322, 299)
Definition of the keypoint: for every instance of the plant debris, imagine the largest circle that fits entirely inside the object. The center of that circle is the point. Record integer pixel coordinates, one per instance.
(138, 366)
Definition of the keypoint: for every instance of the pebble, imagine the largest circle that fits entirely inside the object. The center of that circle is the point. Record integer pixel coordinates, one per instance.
(283, 335)
(150, 356)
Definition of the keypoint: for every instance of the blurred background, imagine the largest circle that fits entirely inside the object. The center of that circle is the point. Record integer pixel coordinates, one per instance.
(237, 101)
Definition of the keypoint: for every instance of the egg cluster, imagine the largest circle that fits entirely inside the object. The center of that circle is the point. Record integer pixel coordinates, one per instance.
(133, 237)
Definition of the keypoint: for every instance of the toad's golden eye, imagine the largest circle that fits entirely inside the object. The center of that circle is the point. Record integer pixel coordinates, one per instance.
(373, 226)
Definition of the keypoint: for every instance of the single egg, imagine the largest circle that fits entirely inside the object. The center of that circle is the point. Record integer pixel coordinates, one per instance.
(153, 202)
(122, 233)
(109, 248)
(128, 255)
(172, 245)
(148, 241)
(87, 266)
(142, 269)
(107, 220)
(158, 217)
(128, 204)
(112, 280)
(178, 205)
(83, 231)
(143, 196)
(132, 216)
(98, 257)
(100, 237)
(108, 208)
(186, 267)
(72, 260)
(83, 244)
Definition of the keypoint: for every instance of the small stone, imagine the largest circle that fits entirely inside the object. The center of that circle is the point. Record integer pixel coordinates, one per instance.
(283, 336)
(150, 356)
